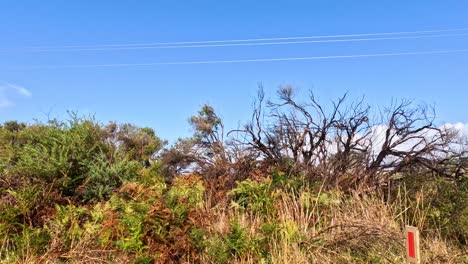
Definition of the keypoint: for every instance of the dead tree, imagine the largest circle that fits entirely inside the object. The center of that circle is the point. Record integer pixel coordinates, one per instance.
(410, 139)
(351, 143)
(257, 136)
(343, 144)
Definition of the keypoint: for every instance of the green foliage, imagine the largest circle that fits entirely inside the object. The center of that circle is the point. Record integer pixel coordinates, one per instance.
(441, 204)
(258, 197)
(76, 154)
(68, 162)
(198, 237)
(449, 208)
(286, 231)
(237, 243)
(132, 215)
(68, 187)
(135, 143)
(270, 229)
(67, 227)
(279, 178)
(206, 121)
(151, 177)
(23, 202)
(57, 153)
(187, 191)
(217, 249)
(185, 194)
(104, 177)
(143, 259)
(17, 208)
(238, 240)
(324, 199)
(289, 231)
(30, 241)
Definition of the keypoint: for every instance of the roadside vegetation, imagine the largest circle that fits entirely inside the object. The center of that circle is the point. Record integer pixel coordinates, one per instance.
(301, 182)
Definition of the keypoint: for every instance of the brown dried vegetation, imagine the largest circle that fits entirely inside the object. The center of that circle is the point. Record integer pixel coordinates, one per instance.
(302, 182)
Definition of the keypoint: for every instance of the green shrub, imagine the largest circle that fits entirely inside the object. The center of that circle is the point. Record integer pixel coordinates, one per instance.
(104, 177)
(238, 243)
(23, 202)
(238, 240)
(143, 259)
(270, 229)
(438, 204)
(138, 144)
(185, 194)
(449, 208)
(324, 198)
(217, 249)
(241, 243)
(67, 226)
(286, 231)
(58, 153)
(258, 197)
(151, 177)
(132, 215)
(187, 191)
(198, 237)
(28, 242)
(69, 155)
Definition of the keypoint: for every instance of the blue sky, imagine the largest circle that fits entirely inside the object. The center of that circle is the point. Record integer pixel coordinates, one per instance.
(164, 96)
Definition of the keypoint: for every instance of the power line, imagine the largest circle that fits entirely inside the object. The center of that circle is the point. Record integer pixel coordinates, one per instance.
(251, 44)
(73, 47)
(245, 60)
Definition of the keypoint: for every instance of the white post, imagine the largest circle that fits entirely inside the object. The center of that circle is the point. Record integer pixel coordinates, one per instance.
(412, 245)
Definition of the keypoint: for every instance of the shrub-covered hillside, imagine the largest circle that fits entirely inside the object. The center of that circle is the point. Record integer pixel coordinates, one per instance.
(300, 183)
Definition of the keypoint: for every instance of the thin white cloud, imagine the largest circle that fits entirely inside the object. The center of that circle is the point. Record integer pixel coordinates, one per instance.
(7, 90)
(19, 89)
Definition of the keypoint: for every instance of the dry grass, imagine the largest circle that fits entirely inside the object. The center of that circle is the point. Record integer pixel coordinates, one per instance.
(309, 227)
(316, 233)
(347, 230)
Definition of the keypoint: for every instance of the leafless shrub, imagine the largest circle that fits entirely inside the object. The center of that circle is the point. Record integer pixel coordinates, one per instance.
(344, 144)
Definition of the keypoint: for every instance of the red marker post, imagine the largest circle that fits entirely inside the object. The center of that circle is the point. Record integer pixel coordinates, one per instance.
(412, 244)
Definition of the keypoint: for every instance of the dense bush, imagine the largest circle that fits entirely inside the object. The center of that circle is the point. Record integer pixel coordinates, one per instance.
(83, 192)
(104, 177)
(45, 169)
(257, 197)
(436, 203)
